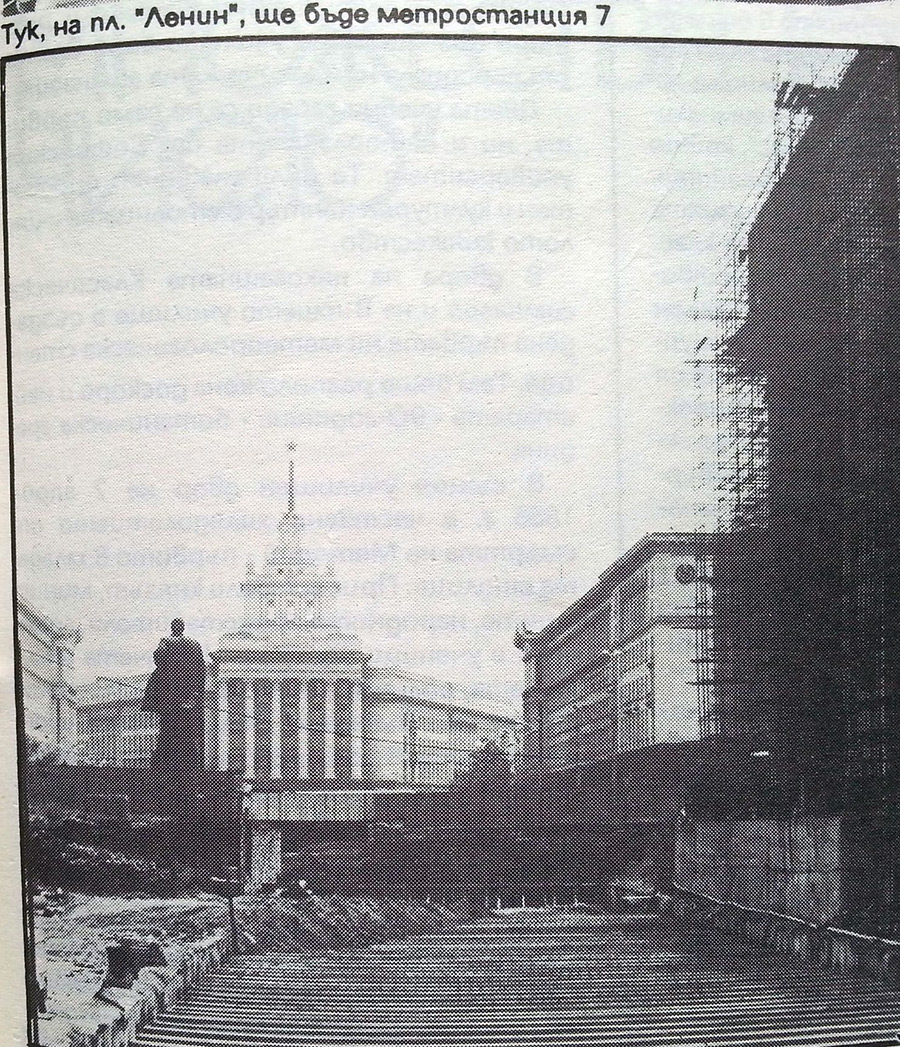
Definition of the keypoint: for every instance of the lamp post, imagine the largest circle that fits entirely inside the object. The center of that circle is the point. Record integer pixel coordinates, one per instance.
(231, 874)
(235, 874)
(244, 835)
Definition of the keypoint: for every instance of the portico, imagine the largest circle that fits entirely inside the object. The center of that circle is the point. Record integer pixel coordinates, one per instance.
(295, 700)
(288, 715)
(288, 696)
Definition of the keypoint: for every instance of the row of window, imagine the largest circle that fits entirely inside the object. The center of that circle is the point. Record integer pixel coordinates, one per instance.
(635, 657)
(126, 749)
(594, 637)
(635, 714)
(290, 610)
(626, 716)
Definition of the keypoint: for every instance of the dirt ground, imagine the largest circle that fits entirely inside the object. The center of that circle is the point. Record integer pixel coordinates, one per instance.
(73, 934)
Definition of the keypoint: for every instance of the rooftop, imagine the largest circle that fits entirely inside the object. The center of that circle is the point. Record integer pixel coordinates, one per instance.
(690, 543)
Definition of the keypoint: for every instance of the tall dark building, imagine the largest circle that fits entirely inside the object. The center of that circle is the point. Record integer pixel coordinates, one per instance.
(807, 595)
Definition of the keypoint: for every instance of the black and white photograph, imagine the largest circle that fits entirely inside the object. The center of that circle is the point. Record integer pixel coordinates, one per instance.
(456, 541)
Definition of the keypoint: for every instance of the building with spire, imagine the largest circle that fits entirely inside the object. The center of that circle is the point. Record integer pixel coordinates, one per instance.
(294, 697)
(287, 694)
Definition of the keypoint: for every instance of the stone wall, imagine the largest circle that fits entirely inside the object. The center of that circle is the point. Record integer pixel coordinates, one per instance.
(799, 867)
(114, 1016)
(709, 920)
(821, 869)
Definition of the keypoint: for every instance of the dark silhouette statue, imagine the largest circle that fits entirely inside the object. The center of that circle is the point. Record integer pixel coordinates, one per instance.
(175, 693)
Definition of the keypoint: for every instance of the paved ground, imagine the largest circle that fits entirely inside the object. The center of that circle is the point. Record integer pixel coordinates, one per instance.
(528, 979)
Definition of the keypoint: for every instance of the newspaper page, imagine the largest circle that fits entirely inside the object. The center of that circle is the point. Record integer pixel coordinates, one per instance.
(454, 523)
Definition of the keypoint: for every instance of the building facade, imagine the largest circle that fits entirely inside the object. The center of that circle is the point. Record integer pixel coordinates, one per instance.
(807, 629)
(415, 730)
(286, 688)
(46, 658)
(111, 729)
(422, 731)
(293, 697)
(624, 666)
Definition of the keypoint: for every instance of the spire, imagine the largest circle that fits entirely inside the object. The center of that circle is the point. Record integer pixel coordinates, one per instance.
(291, 527)
(291, 448)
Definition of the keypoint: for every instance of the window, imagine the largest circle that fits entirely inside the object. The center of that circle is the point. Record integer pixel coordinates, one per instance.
(634, 605)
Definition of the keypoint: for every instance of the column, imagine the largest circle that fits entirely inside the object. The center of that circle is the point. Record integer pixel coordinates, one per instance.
(301, 696)
(210, 727)
(223, 725)
(276, 728)
(329, 729)
(356, 732)
(249, 735)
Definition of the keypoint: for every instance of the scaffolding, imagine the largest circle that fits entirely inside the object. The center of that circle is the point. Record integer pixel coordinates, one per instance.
(703, 661)
(731, 391)
(744, 656)
(730, 384)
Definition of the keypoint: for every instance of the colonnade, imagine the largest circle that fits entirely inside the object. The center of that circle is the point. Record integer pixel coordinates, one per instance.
(287, 728)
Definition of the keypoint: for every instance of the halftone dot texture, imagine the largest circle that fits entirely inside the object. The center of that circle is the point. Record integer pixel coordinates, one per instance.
(717, 716)
(794, 614)
(548, 978)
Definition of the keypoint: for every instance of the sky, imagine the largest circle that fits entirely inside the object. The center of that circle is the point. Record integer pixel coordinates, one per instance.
(461, 275)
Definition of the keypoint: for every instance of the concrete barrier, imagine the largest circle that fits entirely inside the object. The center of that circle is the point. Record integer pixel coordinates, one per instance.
(819, 944)
(116, 1015)
(800, 865)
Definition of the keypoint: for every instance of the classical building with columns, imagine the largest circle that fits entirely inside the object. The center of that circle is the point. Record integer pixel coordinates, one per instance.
(46, 662)
(293, 697)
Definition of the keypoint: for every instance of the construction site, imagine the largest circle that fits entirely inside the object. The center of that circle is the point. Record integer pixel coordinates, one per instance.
(789, 588)
(805, 623)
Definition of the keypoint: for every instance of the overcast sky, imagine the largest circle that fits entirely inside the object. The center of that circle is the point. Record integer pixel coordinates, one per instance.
(460, 275)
